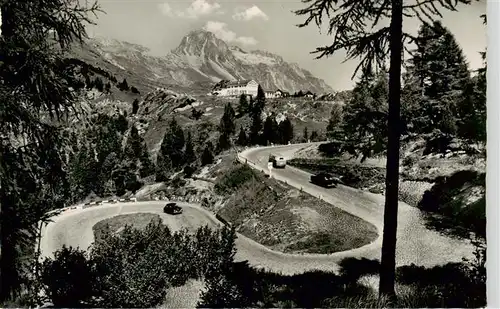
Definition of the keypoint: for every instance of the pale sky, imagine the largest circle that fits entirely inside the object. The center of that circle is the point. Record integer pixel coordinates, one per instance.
(265, 25)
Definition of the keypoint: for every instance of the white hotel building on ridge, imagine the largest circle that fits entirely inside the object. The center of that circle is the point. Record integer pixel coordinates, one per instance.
(248, 87)
(238, 88)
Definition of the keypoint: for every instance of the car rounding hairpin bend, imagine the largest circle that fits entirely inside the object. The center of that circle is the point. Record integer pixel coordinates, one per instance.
(172, 208)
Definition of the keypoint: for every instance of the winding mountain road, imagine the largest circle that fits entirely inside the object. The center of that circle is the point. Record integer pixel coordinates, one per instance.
(416, 244)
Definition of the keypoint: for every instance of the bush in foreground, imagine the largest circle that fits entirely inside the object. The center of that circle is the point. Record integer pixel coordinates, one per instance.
(134, 268)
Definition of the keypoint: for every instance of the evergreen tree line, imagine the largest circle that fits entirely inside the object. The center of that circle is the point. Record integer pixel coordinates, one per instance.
(440, 97)
(102, 165)
(260, 132)
(177, 151)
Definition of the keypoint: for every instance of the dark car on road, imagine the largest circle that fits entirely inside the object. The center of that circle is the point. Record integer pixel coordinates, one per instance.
(324, 179)
(172, 208)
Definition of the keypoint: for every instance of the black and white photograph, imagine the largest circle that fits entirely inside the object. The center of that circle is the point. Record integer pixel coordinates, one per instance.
(245, 154)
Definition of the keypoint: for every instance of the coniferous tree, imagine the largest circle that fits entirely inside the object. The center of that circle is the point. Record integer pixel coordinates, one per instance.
(99, 84)
(223, 143)
(35, 88)
(207, 156)
(255, 129)
(108, 87)
(243, 105)
(226, 128)
(334, 127)
(257, 107)
(270, 131)
(260, 101)
(134, 146)
(305, 135)
(347, 24)
(285, 131)
(135, 106)
(123, 86)
(226, 125)
(189, 154)
(440, 66)
(365, 117)
(136, 151)
(314, 136)
(171, 155)
(242, 137)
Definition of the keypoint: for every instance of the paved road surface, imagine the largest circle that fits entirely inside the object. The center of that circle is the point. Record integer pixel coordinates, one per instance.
(416, 244)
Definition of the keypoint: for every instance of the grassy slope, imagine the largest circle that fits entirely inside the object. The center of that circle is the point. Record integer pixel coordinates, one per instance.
(288, 220)
(117, 223)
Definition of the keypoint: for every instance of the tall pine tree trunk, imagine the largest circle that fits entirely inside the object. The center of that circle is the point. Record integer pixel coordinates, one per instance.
(388, 263)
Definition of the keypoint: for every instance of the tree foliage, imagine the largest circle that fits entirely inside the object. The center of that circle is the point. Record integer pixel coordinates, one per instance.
(226, 128)
(35, 88)
(242, 137)
(207, 157)
(189, 155)
(270, 133)
(356, 28)
(172, 146)
(285, 130)
(243, 106)
(68, 278)
(135, 106)
(134, 268)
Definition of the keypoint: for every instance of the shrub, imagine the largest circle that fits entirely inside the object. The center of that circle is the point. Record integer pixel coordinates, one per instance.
(189, 171)
(447, 198)
(234, 179)
(68, 278)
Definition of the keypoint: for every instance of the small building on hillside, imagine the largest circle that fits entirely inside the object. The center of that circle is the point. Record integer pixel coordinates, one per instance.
(237, 88)
(309, 94)
(278, 93)
(270, 94)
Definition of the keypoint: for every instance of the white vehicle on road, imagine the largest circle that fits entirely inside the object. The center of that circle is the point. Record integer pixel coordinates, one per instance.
(278, 160)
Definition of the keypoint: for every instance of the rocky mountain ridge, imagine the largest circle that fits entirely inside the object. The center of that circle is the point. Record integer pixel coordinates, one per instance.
(202, 59)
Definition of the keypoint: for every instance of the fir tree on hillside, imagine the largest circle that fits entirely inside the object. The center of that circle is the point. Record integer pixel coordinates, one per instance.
(260, 101)
(440, 66)
(305, 135)
(189, 154)
(257, 107)
(242, 137)
(135, 106)
(136, 151)
(365, 117)
(314, 136)
(207, 156)
(226, 125)
(243, 105)
(226, 128)
(123, 86)
(270, 131)
(99, 84)
(171, 155)
(35, 92)
(285, 129)
(334, 127)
